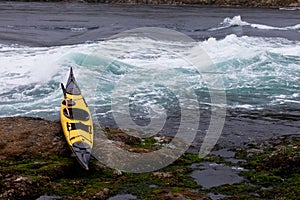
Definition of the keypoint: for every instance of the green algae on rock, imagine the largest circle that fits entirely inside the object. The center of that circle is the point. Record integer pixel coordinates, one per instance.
(41, 165)
(273, 171)
(35, 161)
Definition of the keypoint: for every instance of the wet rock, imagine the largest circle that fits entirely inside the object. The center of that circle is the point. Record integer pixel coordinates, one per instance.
(103, 194)
(123, 137)
(24, 137)
(117, 172)
(272, 170)
(117, 134)
(19, 187)
(254, 151)
(285, 158)
(162, 174)
(183, 195)
(35, 161)
(22, 176)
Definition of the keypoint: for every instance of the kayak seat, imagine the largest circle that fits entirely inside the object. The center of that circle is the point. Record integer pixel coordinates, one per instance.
(70, 102)
(76, 114)
(76, 126)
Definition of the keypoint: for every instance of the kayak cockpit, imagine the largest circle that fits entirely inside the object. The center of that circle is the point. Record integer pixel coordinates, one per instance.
(76, 114)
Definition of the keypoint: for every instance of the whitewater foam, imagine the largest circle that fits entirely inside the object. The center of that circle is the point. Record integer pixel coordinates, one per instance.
(257, 72)
(237, 21)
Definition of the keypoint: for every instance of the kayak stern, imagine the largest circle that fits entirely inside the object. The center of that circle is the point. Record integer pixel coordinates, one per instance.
(83, 153)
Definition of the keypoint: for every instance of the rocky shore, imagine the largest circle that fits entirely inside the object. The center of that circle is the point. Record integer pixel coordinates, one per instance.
(222, 3)
(36, 163)
(234, 3)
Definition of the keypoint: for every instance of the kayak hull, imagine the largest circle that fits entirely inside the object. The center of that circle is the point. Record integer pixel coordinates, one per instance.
(76, 122)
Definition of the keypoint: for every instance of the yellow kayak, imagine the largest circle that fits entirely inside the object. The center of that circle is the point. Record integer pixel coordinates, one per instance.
(76, 121)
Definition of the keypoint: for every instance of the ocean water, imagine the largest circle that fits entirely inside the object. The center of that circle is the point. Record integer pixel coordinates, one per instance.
(256, 54)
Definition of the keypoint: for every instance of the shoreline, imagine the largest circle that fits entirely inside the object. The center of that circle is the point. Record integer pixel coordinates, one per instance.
(204, 3)
(271, 4)
(35, 162)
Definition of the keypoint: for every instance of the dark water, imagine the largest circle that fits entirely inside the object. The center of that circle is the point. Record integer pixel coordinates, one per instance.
(257, 51)
(51, 24)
